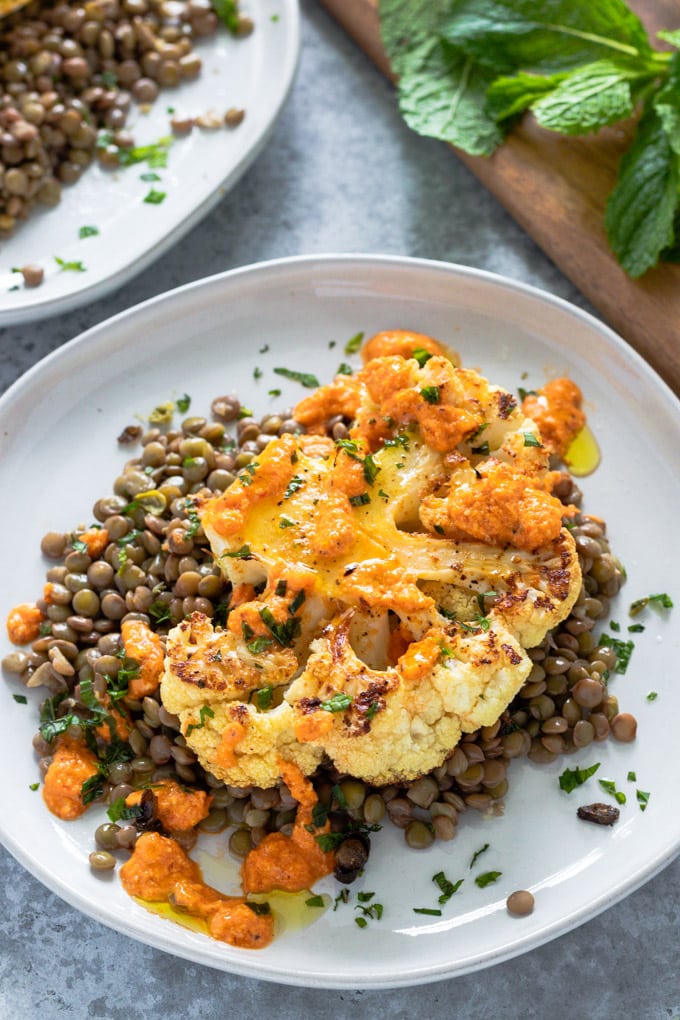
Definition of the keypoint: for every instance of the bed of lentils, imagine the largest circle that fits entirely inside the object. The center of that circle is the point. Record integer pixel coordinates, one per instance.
(69, 70)
(157, 567)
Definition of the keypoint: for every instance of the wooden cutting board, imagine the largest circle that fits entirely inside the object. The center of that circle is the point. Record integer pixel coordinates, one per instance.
(556, 188)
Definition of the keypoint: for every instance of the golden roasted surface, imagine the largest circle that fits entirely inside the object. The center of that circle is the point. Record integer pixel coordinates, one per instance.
(386, 586)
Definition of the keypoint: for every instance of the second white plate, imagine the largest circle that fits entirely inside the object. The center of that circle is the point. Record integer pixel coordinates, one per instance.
(254, 74)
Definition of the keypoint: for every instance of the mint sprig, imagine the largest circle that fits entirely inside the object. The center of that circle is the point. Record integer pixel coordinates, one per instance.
(467, 69)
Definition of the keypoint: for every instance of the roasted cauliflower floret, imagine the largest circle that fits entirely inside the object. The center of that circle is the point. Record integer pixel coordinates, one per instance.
(213, 684)
(403, 721)
(385, 585)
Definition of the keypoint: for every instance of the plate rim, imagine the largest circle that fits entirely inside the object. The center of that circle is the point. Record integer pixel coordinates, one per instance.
(320, 265)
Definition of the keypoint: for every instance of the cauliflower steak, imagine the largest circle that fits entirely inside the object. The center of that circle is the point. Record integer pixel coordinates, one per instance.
(385, 586)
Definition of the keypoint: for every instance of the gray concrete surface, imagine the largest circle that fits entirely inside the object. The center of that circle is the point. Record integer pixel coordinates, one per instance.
(341, 173)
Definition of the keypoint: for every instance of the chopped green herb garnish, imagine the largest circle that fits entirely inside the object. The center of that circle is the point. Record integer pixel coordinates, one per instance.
(365, 897)
(194, 519)
(431, 911)
(623, 649)
(74, 267)
(572, 778)
(88, 232)
(421, 355)
(613, 625)
(652, 696)
(243, 553)
(159, 611)
(344, 369)
(206, 712)
(259, 908)
(227, 12)
(264, 697)
(274, 393)
(523, 394)
(642, 799)
(342, 897)
(281, 588)
(155, 197)
(285, 522)
(257, 372)
(383, 495)
(20, 699)
(183, 403)
(632, 777)
(34, 786)
(259, 645)
(297, 602)
(285, 633)
(315, 901)
(609, 786)
(430, 394)
(264, 349)
(488, 878)
(636, 628)
(154, 155)
(354, 343)
(361, 922)
(338, 703)
(294, 484)
(150, 176)
(482, 450)
(361, 500)
(478, 853)
(79, 545)
(531, 440)
(245, 412)
(447, 887)
(662, 601)
(304, 378)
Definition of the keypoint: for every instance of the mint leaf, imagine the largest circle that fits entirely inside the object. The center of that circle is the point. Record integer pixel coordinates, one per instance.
(588, 99)
(442, 92)
(507, 97)
(641, 208)
(545, 35)
(667, 103)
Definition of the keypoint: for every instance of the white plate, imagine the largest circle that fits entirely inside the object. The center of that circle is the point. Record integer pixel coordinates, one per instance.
(254, 74)
(58, 426)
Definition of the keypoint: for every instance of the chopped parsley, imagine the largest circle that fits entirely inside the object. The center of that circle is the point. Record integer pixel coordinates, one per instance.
(154, 155)
(227, 12)
(487, 878)
(531, 440)
(243, 553)
(150, 176)
(20, 699)
(661, 601)
(523, 394)
(572, 778)
(609, 786)
(264, 349)
(294, 484)
(183, 403)
(159, 611)
(623, 650)
(285, 633)
(478, 853)
(274, 393)
(88, 232)
(342, 897)
(259, 908)
(642, 799)
(430, 394)
(338, 703)
(613, 625)
(632, 777)
(79, 546)
(447, 887)
(361, 500)
(421, 355)
(305, 379)
(636, 628)
(257, 372)
(285, 522)
(73, 267)
(155, 197)
(264, 697)
(315, 901)
(354, 343)
(194, 519)
(205, 713)
(652, 696)
(34, 786)
(431, 911)
(344, 369)
(361, 922)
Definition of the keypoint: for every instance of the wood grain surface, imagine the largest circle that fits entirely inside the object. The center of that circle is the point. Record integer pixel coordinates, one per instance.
(556, 188)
